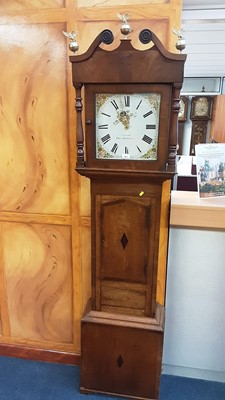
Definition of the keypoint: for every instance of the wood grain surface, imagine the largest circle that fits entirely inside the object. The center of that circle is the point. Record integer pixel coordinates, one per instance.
(44, 204)
(38, 276)
(16, 5)
(34, 144)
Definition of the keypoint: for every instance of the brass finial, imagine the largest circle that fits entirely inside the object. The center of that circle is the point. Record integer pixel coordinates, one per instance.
(73, 45)
(125, 27)
(180, 44)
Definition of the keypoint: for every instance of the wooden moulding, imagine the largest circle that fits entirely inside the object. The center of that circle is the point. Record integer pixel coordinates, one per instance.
(25, 352)
(106, 318)
(129, 175)
(84, 65)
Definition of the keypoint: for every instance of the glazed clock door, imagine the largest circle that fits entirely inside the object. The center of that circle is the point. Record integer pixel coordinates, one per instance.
(125, 254)
(127, 126)
(201, 107)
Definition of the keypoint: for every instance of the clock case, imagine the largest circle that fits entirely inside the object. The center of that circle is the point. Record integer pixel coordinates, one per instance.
(200, 122)
(123, 323)
(182, 118)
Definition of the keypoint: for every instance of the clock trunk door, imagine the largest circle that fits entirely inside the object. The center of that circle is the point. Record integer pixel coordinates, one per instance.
(125, 266)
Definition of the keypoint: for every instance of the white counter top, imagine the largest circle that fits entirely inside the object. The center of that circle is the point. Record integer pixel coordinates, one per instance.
(187, 209)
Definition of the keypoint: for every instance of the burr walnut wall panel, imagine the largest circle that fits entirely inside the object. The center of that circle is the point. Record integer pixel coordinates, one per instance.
(97, 3)
(38, 281)
(34, 144)
(28, 4)
(40, 304)
(43, 201)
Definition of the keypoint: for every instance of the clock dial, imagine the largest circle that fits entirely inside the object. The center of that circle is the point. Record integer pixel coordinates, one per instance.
(201, 107)
(127, 126)
(182, 115)
(182, 108)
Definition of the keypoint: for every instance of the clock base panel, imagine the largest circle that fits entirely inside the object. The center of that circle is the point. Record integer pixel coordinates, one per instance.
(122, 359)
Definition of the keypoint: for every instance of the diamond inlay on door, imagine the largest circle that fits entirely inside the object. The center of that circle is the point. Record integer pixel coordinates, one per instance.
(124, 241)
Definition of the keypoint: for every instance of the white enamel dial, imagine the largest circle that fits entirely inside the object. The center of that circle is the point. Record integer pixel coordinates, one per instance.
(127, 126)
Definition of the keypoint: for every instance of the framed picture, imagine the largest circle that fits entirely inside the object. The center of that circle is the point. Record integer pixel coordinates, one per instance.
(210, 160)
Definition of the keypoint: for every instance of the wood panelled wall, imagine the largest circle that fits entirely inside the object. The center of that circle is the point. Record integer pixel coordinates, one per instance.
(44, 204)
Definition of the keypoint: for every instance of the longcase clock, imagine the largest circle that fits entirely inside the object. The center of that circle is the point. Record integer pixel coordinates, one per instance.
(127, 147)
(182, 118)
(201, 111)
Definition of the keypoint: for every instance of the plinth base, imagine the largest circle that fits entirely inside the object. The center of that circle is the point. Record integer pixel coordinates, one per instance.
(121, 358)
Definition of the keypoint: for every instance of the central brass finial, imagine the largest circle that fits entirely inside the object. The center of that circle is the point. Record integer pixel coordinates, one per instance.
(125, 27)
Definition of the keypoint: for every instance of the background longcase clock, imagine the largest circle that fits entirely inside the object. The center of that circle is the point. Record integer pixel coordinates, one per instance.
(201, 112)
(182, 118)
(127, 148)
(201, 107)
